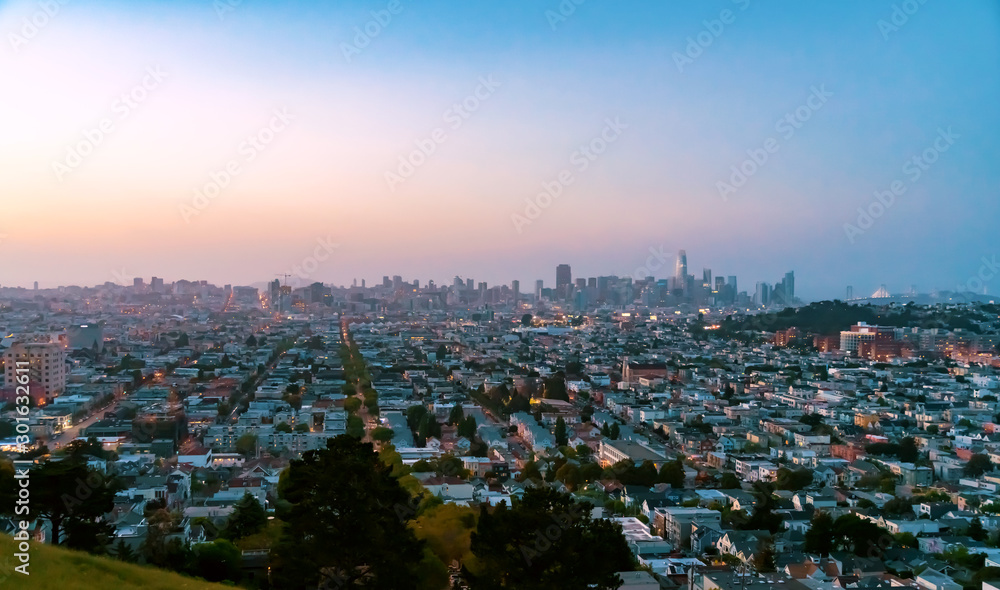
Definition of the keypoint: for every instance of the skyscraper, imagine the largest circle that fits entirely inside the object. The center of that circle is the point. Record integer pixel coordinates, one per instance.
(790, 286)
(706, 277)
(681, 271)
(539, 285)
(564, 277)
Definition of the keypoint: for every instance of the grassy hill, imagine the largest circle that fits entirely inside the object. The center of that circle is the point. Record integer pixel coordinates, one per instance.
(55, 567)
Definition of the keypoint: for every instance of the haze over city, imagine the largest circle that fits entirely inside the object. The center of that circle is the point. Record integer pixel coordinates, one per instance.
(692, 92)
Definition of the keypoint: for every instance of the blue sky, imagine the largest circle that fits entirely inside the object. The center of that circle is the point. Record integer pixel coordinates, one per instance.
(888, 95)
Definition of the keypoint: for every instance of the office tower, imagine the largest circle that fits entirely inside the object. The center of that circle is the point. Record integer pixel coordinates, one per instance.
(416, 283)
(581, 284)
(762, 296)
(564, 277)
(137, 282)
(469, 285)
(316, 292)
(362, 283)
(274, 293)
(156, 284)
(731, 283)
(397, 282)
(385, 281)
(36, 285)
(706, 277)
(515, 286)
(790, 286)
(46, 365)
(681, 270)
(850, 292)
(539, 285)
(602, 287)
(592, 282)
(720, 283)
(482, 287)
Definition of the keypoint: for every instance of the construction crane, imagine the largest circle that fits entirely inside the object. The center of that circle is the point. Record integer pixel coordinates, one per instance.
(286, 275)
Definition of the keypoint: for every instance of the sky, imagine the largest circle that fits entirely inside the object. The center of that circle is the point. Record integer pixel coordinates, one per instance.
(235, 141)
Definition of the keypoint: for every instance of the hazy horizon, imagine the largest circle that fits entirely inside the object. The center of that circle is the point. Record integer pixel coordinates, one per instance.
(677, 95)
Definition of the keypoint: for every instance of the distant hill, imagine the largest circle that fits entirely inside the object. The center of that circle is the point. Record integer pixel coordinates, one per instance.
(63, 569)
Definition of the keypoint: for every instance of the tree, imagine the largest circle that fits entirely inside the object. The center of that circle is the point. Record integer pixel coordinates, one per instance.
(355, 426)
(467, 427)
(442, 351)
(546, 542)
(819, 537)
(182, 340)
(352, 405)
(729, 481)
(977, 531)
(302, 427)
(764, 556)
(672, 473)
(382, 434)
(73, 498)
(555, 388)
(347, 524)
(933, 429)
(248, 518)
(124, 552)
(858, 535)
(526, 319)
(569, 474)
(793, 480)
(457, 415)
(562, 439)
(282, 427)
(414, 415)
(763, 516)
(251, 341)
(246, 445)
(977, 465)
(615, 431)
(217, 561)
(429, 427)
(908, 451)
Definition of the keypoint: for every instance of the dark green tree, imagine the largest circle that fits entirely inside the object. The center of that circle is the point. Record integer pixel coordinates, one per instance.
(764, 556)
(672, 473)
(457, 415)
(562, 439)
(347, 525)
(977, 465)
(819, 537)
(217, 561)
(248, 517)
(74, 499)
(729, 481)
(977, 531)
(467, 427)
(526, 319)
(546, 542)
(555, 388)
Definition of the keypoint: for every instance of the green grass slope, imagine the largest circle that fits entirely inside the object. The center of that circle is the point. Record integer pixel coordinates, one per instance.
(63, 569)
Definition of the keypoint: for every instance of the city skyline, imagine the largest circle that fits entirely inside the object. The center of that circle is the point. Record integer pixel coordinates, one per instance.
(274, 126)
